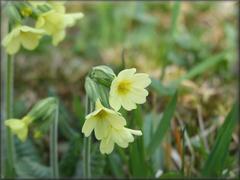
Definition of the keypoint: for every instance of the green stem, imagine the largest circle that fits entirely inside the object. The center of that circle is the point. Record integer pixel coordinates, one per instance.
(183, 151)
(54, 145)
(87, 146)
(8, 112)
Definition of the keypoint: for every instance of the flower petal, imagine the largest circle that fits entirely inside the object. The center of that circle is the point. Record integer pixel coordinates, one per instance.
(114, 102)
(70, 18)
(117, 121)
(18, 127)
(29, 40)
(106, 146)
(126, 73)
(22, 134)
(101, 129)
(58, 37)
(135, 132)
(141, 80)
(88, 126)
(128, 104)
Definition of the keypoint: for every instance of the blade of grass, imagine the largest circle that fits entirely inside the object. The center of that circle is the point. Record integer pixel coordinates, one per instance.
(215, 162)
(137, 150)
(163, 126)
(175, 14)
(200, 68)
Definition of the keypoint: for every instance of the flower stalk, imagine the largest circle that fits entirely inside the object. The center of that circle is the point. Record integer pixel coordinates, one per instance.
(54, 145)
(87, 146)
(8, 112)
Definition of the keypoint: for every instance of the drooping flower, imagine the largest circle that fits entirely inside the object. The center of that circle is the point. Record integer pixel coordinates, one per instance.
(121, 137)
(101, 121)
(56, 20)
(26, 36)
(19, 127)
(128, 89)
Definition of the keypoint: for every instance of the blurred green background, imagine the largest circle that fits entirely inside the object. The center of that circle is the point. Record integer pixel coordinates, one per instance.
(191, 44)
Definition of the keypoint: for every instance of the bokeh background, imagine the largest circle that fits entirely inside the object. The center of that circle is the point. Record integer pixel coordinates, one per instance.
(164, 39)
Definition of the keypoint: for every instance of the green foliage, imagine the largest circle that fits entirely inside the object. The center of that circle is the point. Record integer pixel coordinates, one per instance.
(70, 159)
(27, 168)
(202, 67)
(163, 126)
(216, 160)
(29, 161)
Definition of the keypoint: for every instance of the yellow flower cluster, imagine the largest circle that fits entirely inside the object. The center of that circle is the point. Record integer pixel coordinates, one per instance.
(19, 127)
(127, 90)
(53, 23)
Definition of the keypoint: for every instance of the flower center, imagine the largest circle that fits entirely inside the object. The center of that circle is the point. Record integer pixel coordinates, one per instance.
(124, 87)
(102, 114)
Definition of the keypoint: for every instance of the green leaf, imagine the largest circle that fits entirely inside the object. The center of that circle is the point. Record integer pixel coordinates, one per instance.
(98, 162)
(216, 160)
(115, 165)
(138, 164)
(176, 13)
(27, 168)
(137, 160)
(70, 159)
(26, 149)
(163, 126)
(200, 68)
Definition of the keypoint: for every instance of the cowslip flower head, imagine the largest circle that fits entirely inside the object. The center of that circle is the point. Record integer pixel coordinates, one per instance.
(128, 89)
(26, 36)
(56, 20)
(121, 137)
(101, 120)
(19, 127)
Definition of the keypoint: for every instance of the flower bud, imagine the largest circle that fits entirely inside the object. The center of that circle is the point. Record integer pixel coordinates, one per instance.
(44, 108)
(91, 89)
(102, 75)
(12, 13)
(24, 8)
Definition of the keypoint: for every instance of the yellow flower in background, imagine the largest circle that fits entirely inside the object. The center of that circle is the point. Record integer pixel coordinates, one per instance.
(26, 36)
(56, 20)
(52, 22)
(101, 121)
(19, 127)
(128, 89)
(121, 137)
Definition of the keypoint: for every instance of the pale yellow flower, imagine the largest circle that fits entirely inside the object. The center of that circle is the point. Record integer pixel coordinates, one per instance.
(56, 20)
(19, 127)
(121, 137)
(26, 36)
(128, 89)
(101, 120)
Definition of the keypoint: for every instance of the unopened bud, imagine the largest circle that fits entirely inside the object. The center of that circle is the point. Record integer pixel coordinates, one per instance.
(13, 14)
(103, 75)
(91, 89)
(44, 108)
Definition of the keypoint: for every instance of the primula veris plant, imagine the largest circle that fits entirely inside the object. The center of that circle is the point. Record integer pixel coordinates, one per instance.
(19, 127)
(109, 127)
(107, 123)
(128, 89)
(50, 19)
(101, 120)
(121, 137)
(56, 20)
(39, 114)
(26, 36)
